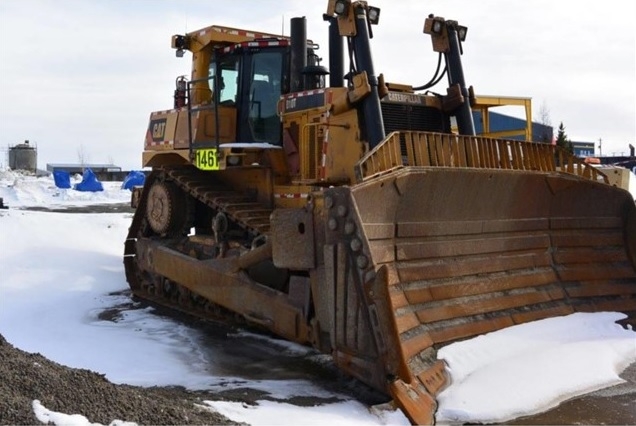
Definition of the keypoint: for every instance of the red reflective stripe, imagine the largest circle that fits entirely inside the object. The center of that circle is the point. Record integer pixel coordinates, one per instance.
(271, 43)
(305, 93)
(296, 195)
(153, 143)
(325, 140)
(168, 111)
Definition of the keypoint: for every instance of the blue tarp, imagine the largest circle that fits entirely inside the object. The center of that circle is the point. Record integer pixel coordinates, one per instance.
(134, 178)
(62, 179)
(89, 182)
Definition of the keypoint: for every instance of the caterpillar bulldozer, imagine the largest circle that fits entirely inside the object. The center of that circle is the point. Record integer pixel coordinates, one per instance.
(362, 217)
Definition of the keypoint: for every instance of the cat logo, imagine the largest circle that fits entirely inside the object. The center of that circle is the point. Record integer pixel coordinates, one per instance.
(158, 130)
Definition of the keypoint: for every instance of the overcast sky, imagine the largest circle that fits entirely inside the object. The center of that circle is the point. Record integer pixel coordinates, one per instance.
(82, 76)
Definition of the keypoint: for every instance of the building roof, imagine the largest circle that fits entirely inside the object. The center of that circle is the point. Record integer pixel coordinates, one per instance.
(80, 166)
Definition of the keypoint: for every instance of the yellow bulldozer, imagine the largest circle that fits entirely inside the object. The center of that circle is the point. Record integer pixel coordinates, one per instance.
(362, 217)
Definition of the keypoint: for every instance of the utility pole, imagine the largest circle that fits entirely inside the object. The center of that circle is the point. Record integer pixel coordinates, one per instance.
(600, 147)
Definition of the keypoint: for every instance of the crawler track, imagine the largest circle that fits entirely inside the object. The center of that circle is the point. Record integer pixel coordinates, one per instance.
(242, 212)
(240, 208)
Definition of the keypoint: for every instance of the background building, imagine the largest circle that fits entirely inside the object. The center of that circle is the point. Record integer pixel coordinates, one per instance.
(583, 149)
(74, 168)
(503, 123)
(105, 172)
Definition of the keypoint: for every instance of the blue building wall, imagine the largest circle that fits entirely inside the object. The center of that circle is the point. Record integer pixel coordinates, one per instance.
(541, 133)
(583, 149)
(501, 122)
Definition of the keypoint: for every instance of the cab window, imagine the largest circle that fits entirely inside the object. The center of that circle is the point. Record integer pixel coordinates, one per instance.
(264, 93)
(228, 79)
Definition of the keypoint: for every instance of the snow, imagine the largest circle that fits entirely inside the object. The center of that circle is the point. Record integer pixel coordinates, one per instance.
(61, 271)
(252, 145)
(20, 189)
(49, 417)
(561, 357)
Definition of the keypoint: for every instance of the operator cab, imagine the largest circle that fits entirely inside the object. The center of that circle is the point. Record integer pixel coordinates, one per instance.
(236, 85)
(251, 79)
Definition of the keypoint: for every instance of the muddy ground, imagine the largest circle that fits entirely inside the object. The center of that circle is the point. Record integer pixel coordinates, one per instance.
(25, 377)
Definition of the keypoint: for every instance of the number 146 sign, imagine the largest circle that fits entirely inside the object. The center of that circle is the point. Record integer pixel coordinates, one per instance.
(206, 159)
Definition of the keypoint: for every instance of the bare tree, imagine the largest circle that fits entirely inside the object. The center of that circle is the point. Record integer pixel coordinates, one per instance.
(82, 156)
(544, 119)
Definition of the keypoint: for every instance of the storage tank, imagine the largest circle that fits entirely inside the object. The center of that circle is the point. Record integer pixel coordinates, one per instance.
(23, 157)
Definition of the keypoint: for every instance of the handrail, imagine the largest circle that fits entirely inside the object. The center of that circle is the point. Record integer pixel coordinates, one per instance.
(427, 149)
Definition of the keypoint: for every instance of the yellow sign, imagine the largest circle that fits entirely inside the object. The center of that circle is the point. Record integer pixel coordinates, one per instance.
(206, 159)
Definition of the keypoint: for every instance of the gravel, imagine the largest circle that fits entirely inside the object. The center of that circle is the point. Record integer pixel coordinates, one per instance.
(25, 377)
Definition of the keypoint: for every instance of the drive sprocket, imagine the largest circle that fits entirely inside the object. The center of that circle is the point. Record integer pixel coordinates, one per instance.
(165, 211)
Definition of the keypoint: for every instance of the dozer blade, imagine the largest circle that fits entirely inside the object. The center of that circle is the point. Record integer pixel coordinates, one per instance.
(458, 252)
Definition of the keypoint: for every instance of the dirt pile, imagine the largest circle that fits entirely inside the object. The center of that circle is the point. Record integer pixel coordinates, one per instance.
(25, 377)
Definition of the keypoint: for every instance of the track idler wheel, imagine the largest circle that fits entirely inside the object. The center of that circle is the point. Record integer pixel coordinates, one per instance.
(166, 209)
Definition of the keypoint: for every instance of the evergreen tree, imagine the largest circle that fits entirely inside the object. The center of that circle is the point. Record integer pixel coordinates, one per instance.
(563, 141)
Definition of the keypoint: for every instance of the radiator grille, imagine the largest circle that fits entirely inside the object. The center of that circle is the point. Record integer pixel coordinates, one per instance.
(414, 117)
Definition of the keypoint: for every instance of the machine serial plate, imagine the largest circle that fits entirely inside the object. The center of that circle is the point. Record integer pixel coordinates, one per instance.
(206, 159)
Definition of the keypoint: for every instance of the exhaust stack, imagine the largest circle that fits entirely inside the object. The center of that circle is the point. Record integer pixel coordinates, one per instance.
(298, 53)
